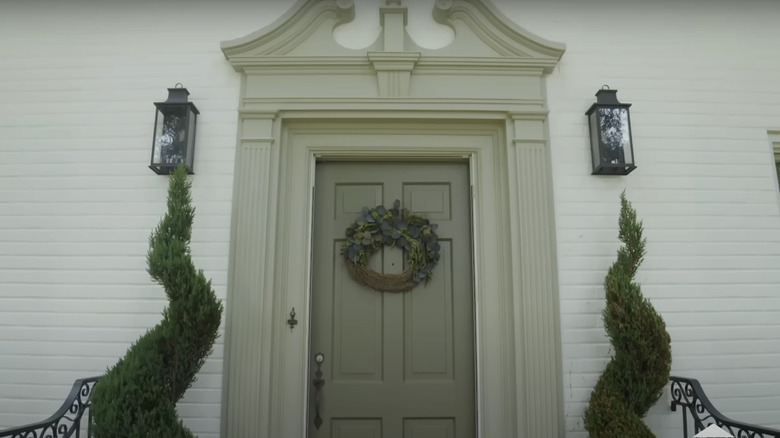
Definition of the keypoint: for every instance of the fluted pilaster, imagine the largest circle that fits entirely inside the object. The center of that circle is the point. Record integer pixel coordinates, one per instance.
(248, 340)
(536, 306)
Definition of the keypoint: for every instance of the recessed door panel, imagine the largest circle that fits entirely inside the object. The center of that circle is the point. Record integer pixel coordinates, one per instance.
(428, 325)
(429, 428)
(357, 327)
(357, 428)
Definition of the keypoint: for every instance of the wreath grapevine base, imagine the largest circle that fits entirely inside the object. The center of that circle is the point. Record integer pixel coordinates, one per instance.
(364, 276)
(395, 227)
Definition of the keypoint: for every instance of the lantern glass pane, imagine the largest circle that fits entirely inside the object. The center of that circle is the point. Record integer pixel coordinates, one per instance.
(627, 140)
(170, 137)
(594, 139)
(191, 137)
(615, 135)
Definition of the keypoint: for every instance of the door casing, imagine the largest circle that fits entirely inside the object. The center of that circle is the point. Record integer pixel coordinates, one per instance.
(481, 144)
(489, 83)
(517, 344)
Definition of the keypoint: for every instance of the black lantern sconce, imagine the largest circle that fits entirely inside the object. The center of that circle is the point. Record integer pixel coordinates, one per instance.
(610, 135)
(173, 143)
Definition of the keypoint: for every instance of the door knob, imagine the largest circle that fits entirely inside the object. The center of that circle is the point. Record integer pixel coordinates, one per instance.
(318, 382)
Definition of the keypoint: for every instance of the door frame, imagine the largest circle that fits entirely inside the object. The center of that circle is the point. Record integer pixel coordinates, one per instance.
(518, 368)
(482, 144)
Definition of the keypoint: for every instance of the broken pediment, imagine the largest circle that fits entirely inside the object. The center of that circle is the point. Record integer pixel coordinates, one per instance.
(305, 30)
(481, 31)
(302, 42)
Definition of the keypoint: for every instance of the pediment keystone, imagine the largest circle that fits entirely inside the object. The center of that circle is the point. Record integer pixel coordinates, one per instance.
(394, 70)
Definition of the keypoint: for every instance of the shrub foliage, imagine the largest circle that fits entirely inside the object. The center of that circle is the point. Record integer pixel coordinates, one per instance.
(137, 396)
(639, 370)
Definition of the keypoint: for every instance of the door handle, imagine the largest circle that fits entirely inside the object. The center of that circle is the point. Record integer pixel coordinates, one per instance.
(318, 382)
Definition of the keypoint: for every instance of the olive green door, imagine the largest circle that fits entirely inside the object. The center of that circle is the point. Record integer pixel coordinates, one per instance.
(395, 364)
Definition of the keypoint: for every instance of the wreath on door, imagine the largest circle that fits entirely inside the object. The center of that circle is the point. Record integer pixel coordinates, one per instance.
(394, 227)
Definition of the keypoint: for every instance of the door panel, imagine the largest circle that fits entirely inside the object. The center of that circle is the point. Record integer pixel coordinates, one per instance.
(357, 329)
(357, 428)
(428, 331)
(396, 365)
(429, 428)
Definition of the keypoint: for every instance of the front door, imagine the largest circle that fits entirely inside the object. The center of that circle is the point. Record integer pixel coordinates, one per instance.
(393, 364)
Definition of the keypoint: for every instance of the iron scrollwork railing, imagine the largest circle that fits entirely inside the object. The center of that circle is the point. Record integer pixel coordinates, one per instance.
(67, 421)
(689, 394)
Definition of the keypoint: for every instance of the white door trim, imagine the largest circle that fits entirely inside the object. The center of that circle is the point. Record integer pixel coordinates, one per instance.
(481, 145)
(518, 346)
(489, 82)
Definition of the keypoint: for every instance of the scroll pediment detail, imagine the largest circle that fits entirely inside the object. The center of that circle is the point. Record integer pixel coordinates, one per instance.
(481, 31)
(493, 29)
(305, 29)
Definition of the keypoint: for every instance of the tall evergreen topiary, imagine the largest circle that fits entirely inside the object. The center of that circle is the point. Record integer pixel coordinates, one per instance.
(639, 370)
(137, 397)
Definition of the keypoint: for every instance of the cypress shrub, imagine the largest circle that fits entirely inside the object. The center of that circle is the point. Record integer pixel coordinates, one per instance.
(137, 396)
(639, 370)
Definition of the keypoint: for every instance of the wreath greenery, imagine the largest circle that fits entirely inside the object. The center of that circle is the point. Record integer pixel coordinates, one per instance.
(395, 227)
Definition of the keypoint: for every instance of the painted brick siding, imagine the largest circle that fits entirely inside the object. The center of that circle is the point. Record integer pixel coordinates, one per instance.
(77, 202)
(703, 81)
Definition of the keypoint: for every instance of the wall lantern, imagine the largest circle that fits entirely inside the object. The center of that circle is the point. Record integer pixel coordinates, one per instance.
(610, 135)
(173, 142)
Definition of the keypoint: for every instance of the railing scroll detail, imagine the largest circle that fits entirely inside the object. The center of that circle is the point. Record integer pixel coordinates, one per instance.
(67, 421)
(689, 394)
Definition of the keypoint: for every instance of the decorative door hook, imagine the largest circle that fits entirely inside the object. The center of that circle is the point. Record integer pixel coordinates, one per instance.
(292, 321)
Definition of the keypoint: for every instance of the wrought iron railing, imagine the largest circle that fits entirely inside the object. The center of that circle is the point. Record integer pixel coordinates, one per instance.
(689, 394)
(67, 421)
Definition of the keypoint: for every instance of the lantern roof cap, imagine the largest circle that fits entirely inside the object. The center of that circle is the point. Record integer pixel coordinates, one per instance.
(177, 96)
(607, 96)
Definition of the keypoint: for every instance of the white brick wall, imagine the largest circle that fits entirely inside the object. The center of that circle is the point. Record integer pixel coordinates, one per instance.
(77, 202)
(703, 81)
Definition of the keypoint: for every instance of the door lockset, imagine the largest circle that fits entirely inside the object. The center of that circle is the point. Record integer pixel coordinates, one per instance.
(318, 382)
